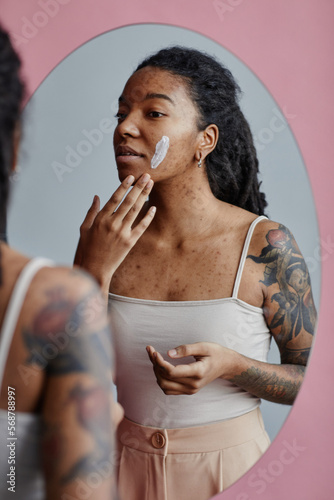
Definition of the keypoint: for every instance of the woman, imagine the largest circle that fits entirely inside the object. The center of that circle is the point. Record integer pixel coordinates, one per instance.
(55, 376)
(211, 278)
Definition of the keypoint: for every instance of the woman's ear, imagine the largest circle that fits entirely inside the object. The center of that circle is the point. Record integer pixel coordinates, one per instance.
(208, 141)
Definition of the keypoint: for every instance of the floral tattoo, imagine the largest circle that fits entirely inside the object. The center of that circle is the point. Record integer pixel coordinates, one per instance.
(285, 266)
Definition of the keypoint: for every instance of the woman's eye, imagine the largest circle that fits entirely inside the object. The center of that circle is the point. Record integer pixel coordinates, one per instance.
(120, 116)
(155, 114)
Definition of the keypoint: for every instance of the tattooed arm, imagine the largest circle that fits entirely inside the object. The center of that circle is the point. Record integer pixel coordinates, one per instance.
(69, 340)
(290, 314)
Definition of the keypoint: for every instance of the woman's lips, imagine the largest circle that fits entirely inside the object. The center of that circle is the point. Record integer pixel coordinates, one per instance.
(126, 154)
(125, 158)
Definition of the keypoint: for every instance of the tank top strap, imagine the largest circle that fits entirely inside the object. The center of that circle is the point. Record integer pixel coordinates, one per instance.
(14, 307)
(244, 254)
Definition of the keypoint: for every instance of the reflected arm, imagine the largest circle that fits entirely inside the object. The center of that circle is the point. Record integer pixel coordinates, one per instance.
(69, 341)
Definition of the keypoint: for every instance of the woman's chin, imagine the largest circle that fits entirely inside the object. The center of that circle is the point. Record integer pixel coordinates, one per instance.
(124, 171)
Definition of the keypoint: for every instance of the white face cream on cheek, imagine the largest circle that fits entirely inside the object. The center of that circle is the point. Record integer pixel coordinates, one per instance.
(160, 151)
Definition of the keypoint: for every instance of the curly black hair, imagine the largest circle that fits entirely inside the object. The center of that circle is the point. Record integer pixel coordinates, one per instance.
(11, 94)
(232, 167)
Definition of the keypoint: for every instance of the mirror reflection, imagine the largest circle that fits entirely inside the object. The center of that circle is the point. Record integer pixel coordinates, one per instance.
(211, 280)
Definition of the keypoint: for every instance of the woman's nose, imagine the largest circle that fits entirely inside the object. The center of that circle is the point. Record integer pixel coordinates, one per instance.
(129, 125)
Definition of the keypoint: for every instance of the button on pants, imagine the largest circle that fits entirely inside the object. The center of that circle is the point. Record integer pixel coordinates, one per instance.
(192, 463)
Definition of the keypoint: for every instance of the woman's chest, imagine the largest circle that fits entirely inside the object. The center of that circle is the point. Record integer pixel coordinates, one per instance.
(202, 273)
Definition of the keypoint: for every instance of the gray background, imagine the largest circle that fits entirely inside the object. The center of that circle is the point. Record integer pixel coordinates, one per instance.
(47, 209)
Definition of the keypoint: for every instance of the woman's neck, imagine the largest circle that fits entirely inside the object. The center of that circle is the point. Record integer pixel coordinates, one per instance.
(185, 208)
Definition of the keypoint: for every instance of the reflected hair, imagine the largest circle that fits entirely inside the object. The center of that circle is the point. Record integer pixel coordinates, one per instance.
(232, 167)
(11, 94)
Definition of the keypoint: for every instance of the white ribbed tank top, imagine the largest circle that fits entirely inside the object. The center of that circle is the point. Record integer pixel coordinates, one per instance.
(231, 322)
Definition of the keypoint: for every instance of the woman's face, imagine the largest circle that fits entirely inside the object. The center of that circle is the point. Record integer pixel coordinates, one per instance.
(155, 103)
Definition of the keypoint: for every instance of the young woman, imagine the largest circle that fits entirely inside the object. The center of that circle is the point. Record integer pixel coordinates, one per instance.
(207, 285)
(56, 428)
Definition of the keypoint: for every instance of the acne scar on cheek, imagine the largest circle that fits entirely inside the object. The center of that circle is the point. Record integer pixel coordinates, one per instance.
(160, 151)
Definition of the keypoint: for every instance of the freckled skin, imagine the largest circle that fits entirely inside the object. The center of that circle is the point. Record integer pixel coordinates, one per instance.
(192, 248)
(187, 273)
(185, 270)
(142, 132)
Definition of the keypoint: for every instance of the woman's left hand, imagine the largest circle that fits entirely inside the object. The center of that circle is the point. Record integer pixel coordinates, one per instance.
(212, 361)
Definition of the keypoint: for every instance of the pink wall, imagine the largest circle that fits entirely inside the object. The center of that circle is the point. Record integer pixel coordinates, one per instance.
(288, 44)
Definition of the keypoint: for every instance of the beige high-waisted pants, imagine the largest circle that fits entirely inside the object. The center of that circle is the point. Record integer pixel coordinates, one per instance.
(192, 463)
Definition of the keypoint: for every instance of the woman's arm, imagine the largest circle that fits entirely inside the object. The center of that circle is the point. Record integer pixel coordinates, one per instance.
(69, 340)
(291, 317)
(290, 314)
(276, 383)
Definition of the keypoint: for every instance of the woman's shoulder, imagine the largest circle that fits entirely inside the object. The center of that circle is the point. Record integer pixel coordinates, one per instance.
(75, 281)
(63, 294)
(241, 220)
(48, 273)
(50, 288)
(269, 235)
(265, 233)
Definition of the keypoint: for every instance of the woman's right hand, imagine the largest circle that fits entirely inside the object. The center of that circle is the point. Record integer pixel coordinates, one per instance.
(107, 235)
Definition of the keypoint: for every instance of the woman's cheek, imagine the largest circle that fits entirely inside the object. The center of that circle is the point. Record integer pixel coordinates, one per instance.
(161, 149)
